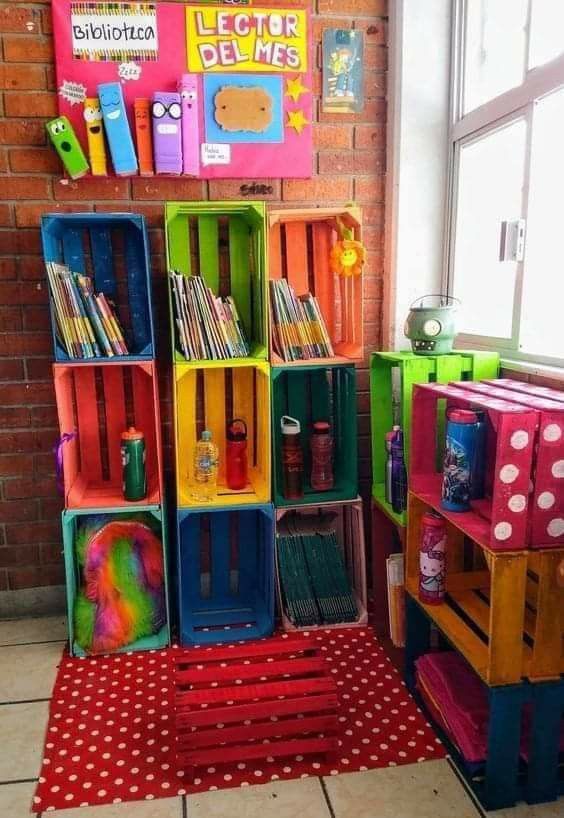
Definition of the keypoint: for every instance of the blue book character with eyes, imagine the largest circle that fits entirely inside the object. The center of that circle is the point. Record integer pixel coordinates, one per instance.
(117, 128)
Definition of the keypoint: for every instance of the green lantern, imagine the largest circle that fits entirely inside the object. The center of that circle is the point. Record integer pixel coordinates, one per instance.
(430, 325)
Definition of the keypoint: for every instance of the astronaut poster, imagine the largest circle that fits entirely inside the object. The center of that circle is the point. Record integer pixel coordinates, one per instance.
(209, 91)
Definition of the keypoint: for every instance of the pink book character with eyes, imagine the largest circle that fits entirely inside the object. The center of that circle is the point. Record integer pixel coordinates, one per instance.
(188, 89)
(167, 134)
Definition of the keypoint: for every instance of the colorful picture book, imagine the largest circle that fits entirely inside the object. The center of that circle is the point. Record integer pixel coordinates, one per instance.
(86, 324)
(208, 326)
(298, 329)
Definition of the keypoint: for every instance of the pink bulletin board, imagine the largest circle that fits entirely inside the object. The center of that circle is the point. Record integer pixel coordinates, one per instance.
(239, 43)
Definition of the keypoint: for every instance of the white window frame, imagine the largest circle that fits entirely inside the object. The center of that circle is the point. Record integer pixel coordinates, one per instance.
(464, 129)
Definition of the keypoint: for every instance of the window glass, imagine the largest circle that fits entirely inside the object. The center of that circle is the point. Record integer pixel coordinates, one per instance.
(547, 31)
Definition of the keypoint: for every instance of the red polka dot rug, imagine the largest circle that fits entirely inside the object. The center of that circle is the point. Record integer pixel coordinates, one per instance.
(111, 731)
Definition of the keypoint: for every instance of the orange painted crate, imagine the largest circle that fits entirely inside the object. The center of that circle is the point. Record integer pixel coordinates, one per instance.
(97, 404)
(300, 242)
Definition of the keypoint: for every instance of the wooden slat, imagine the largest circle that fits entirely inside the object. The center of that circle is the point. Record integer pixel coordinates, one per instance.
(275, 252)
(323, 277)
(88, 423)
(114, 398)
(296, 257)
(178, 244)
(296, 667)
(239, 252)
(102, 260)
(274, 748)
(547, 649)
(475, 608)
(185, 426)
(243, 404)
(256, 691)
(256, 710)
(467, 581)
(507, 614)
(143, 384)
(218, 653)
(214, 400)
(231, 735)
(208, 244)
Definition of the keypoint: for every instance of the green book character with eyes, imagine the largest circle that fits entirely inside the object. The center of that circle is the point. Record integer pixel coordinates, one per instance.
(65, 142)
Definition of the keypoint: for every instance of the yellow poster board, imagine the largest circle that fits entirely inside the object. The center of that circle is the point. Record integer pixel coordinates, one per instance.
(249, 39)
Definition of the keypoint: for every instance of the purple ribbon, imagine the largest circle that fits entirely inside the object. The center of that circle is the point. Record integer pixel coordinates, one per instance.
(58, 452)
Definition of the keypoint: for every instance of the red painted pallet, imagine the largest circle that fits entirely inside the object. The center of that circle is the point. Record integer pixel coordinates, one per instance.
(546, 510)
(499, 522)
(259, 700)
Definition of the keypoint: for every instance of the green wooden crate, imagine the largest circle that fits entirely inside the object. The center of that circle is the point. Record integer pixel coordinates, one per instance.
(310, 393)
(69, 520)
(225, 243)
(398, 372)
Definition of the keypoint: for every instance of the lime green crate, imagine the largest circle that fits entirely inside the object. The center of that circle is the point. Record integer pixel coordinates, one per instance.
(69, 521)
(225, 243)
(393, 375)
(311, 393)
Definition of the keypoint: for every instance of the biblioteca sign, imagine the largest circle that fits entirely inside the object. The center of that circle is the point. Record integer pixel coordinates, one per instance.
(109, 32)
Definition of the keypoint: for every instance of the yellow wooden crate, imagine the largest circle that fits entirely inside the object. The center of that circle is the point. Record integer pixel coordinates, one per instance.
(208, 397)
(483, 614)
(544, 614)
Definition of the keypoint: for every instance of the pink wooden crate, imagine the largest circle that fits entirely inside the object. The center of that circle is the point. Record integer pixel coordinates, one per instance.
(546, 511)
(529, 388)
(499, 522)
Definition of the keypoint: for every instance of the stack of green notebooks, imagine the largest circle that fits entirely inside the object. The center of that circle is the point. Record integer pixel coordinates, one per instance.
(314, 584)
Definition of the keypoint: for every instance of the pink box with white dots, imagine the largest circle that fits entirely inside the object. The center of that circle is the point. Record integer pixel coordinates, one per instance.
(500, 521)
(546, 508)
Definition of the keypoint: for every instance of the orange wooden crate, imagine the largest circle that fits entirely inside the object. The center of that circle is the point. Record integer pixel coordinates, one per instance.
(300, 242)
(97, 404)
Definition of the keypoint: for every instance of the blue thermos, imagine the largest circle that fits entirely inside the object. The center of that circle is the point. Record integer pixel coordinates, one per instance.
(461, 442)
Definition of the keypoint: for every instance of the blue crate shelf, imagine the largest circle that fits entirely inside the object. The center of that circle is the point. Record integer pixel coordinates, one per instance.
(114, 249)
(225, 564)
(70, 519)
(504, 778)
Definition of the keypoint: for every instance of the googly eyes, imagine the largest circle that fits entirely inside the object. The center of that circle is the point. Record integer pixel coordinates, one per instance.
(175, 110)
(189, 95)
(58, 127)
(92, 114)
(159, 110)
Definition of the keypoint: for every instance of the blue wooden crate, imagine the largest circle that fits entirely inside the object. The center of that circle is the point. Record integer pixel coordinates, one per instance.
(225, 574)
(69, 520)
(114, 249)
(504, 778)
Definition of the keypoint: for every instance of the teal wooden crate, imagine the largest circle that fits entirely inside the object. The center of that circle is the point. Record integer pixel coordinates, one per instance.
(393, 374)
(224, 243)
(312, 393)
(69, 520)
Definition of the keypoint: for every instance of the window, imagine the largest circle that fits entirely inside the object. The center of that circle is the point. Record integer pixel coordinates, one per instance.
(507, 177)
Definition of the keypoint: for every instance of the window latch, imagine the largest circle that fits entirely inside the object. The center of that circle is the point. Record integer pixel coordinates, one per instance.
(512, 240)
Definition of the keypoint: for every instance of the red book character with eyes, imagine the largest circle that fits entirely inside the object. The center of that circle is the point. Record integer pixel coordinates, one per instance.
(144, 136)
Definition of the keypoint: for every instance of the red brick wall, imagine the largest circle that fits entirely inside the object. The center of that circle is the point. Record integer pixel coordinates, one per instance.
(349, 165)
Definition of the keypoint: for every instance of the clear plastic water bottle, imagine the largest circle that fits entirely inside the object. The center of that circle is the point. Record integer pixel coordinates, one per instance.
(206, 460)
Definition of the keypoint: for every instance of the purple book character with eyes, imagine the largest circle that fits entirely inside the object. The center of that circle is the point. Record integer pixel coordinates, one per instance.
(188, 88)
(167, 134)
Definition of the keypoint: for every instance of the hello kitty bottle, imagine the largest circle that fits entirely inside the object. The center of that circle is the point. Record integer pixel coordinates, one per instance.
(432, 559)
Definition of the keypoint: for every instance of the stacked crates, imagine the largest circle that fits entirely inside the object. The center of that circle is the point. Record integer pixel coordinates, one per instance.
(225, 549)
(300, 242)
(99, 398)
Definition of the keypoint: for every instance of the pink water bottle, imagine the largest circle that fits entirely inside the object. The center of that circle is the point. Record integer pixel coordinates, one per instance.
(321, 443)
(432, 559)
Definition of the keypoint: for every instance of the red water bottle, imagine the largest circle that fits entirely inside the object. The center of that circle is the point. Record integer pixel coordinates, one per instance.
(321, 443)
(236, 471)
(432, 559)
(292, 458)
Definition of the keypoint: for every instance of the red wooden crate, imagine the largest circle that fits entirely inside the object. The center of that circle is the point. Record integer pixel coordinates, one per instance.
(264, 699)
(300, 242)
(546, 510)
(528, 388)
(500, 521)
(97, 404)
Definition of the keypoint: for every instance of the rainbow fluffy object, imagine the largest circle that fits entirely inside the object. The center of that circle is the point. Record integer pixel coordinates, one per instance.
(122, 595)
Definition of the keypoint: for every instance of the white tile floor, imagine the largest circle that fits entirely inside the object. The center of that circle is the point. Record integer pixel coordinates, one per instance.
(29, 653)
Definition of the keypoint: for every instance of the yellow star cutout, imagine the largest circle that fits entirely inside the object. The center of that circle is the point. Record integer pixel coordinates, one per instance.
(297, 120)
(295, 89)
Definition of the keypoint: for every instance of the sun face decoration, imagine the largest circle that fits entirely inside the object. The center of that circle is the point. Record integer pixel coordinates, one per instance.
(347, 258)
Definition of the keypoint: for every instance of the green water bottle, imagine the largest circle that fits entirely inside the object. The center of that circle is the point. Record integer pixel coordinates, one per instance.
(133, 464)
